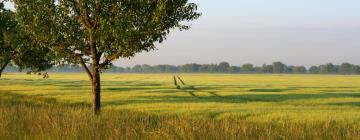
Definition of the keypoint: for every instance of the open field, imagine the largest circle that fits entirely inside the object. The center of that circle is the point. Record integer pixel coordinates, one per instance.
(211, 106)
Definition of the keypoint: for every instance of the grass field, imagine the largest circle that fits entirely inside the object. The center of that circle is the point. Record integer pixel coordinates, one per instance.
(210, 106)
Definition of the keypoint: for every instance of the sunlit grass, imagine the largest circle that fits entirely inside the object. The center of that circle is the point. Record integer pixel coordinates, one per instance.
(32, 117)
(258, 97)
(210, 106)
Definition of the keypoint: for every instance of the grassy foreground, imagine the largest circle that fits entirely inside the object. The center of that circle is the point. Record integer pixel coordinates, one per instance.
(147, 106)
(24, 117)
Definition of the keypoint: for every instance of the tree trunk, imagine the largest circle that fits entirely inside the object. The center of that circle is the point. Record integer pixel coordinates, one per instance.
(96, 89)
(3, 67)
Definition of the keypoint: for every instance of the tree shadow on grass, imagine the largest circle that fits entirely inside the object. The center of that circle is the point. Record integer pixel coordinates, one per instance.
(195, 89)
(9, 99)
(321, 87)
(357, 104)
(122, 89)
(191, 93)
(109, 86)
(214, 93)
(270, 90)
(80, 83)
(243, 98)
(164, 90)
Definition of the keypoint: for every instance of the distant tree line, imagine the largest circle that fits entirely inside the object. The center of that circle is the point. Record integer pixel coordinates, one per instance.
(223, 67)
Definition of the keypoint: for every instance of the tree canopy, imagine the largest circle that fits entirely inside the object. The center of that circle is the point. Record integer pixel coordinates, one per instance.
(101, 31)
(17, 48)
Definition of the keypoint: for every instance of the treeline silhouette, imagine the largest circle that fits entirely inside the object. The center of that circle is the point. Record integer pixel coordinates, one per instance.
(223, 67)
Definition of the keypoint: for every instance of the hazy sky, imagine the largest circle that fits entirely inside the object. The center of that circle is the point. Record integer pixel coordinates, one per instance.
(298, 32)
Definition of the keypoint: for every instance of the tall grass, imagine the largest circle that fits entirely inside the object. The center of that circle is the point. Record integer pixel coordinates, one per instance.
(31, 117)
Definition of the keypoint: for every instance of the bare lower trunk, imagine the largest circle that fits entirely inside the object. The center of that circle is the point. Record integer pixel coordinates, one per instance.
(95, 83)
(96, 90)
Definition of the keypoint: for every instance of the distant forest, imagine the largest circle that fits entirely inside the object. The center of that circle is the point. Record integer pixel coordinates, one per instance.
(223, 67)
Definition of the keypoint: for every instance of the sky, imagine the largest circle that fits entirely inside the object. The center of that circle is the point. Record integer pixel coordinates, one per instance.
(296, 32)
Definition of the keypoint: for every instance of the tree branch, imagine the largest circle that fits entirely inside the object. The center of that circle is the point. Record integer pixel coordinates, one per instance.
(5, 64)
(110, 58)
(98, 10)
(86, 17)
(76, 9)
(82, 15)
(82, 62)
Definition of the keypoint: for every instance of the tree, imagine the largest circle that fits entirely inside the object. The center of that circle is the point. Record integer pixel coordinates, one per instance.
(355, 69)
(234, 69)
(267, 68)
(204, 68)
(190, 68)
(278, 67)
(224, 67)
(213, 68)
(17, 48)
(98, 32)
(289, 69)
(7, 25)
(247, 68)
(314, 70)
(327, 69)
(299, 69)
(258, 69)
(137, 69)
(346, 68)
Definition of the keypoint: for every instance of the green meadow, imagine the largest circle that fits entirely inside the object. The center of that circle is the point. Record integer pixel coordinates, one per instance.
(209, 106)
